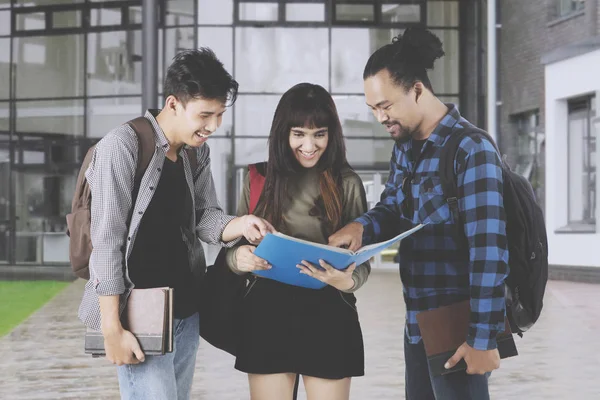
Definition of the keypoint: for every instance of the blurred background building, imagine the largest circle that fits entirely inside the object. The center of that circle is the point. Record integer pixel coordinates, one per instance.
(71, 70)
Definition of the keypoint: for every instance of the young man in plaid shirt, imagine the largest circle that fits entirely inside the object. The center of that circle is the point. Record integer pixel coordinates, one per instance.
(435, 269)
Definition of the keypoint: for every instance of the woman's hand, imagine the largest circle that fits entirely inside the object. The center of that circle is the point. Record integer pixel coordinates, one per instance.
(341, 280)
(246, 261)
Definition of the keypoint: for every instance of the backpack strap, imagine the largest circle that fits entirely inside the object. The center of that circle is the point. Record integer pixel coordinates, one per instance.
(448, 175)
(257, 183)
(146, 144)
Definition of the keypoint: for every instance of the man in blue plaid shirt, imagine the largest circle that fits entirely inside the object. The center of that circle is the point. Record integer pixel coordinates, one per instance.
(435, 269)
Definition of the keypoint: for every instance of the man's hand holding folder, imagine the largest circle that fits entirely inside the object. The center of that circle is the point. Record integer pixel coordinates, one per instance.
(444, 332)
(478, 361)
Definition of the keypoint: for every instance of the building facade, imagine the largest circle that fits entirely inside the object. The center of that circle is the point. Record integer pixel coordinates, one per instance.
(549, 57)
(71, 70)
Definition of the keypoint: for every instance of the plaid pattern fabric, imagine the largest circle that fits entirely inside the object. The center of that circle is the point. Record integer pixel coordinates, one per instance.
(111, 178)
(434, 268)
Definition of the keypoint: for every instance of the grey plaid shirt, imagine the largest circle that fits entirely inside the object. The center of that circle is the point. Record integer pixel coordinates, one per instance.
(111, 177)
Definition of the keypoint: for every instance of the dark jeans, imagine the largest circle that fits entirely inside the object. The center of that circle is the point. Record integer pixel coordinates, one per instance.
(455, 386)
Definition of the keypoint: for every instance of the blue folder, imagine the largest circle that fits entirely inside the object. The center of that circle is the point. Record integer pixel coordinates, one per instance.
(284, 252)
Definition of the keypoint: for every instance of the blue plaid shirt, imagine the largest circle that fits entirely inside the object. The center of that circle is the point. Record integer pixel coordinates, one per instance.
(434, 268)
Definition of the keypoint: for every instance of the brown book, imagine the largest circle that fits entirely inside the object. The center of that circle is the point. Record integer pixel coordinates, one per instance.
(149, 316)
(445, 329)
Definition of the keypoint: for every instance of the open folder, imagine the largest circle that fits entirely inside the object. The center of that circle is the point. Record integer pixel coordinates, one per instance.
(285, 252)
(445, 329)
(149, 316)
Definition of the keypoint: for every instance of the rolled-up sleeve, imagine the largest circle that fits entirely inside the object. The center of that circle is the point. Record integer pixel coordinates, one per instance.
(211, 220)
(111, 177)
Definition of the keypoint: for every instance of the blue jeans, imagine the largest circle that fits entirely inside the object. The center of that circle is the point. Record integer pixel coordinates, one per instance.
(455, 386)
(167, 377)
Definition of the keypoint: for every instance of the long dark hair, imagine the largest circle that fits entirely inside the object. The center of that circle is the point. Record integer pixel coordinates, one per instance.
(309, 106)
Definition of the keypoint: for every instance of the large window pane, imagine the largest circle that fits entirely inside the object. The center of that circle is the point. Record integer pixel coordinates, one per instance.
(442, 13)
(401, 13)
(258, 11)
(29, 3)
(179, 12)
(63, 117)
(354, 12)
(176, 40)
(444, 76)
(114, 63)
(106, 114)
(5, 22)
(4, 68)
(352, 47)
(275, 59)
(249, 151)
(5, 3)
(254, 114)
(4, 113)
(582, 163)
(50, 66)
(211, 12)
(305, 12)
(42, 200)
(220, 40)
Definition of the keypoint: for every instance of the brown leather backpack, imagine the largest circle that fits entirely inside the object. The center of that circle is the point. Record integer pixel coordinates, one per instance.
(79, 220)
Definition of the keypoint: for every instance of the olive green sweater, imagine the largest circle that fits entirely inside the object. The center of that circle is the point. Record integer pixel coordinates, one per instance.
(304, 191)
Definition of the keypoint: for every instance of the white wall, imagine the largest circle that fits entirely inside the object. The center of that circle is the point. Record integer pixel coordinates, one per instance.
(567, 79)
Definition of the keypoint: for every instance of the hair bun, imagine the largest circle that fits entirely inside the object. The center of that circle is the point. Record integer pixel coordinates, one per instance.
(418, 46)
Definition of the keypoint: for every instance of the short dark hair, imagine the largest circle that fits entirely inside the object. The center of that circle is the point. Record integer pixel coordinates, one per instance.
(407, 58)
(199, 74)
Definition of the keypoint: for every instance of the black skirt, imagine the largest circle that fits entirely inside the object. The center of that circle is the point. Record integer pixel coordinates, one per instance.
(288, 329)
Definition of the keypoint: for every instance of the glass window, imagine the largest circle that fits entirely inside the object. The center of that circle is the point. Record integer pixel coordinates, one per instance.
(176, 40)
(114, 63)
(275, 59)
(66, 19)
(443, 13)
(105, 17)
(5, 23)
(211, 12)
(401, 13)
(354, 12)
(582, 162)
(31, 21)
(296, 12)
(258, 11)
(528, 145)
(4, 68)
(350, 50)
(4, 116)
(135, 15)
(566, 7)
(179, 12)
(30, 3)
(249, 151)
(254, 114)
(49, 66)
(104, 115)
(5, 3)
(64, 117)
(359, 125)
(444, 76)
(220, 40)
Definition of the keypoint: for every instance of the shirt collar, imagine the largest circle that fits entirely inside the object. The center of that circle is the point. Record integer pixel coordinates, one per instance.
(445, 126)
(159, 134)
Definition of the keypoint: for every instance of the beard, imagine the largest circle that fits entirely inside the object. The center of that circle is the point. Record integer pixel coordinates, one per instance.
(398, 132)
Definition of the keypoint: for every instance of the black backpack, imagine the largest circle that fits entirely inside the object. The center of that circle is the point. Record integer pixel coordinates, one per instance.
(525, 232)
